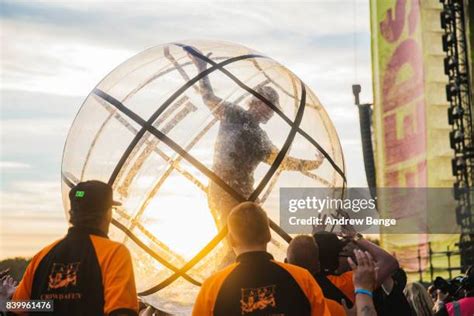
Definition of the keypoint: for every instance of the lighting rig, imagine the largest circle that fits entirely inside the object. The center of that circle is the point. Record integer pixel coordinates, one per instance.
(458, 94)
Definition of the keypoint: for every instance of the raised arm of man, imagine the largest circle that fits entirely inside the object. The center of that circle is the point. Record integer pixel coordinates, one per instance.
(386, 263)
(207, 92)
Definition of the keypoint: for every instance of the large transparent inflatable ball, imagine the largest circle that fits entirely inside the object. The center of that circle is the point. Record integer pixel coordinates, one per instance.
(184, 132)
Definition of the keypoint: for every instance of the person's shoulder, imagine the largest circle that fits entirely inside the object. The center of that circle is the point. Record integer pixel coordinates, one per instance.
(465, 301)
(293, 269)
(38, 257)
(40, 254)
(105, 245)
(347, 274)
(303, 278)
(233, 111)
(343, 276)
(105, 240)
(223, 272)
(219, 276)
(347, 277)
(301, 275)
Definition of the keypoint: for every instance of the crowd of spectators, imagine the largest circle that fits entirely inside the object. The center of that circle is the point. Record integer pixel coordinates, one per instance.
(324, 273)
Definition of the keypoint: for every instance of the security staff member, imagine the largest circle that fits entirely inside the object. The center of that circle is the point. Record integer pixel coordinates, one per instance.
(256, 284)
(85, 273)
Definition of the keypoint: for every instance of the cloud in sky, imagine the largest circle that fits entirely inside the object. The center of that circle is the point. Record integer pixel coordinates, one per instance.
(54, 40)
(54, 52)
(13, 165)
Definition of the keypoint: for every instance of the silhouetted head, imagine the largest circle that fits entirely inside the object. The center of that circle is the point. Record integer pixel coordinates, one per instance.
(304, 252)
(91, 205)
(248, 227)
(263, 112)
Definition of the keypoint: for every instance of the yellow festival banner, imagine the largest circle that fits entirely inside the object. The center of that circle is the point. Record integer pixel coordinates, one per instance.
(411, 130)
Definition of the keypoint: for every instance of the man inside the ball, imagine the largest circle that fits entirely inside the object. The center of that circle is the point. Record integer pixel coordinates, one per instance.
(241, 144)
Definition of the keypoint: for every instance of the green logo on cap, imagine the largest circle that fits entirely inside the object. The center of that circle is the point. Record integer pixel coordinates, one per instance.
(80, 194)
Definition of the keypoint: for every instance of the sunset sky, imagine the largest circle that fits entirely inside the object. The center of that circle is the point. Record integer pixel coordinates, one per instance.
(53, 53)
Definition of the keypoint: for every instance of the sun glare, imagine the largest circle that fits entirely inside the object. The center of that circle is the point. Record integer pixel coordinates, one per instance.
(179, 217)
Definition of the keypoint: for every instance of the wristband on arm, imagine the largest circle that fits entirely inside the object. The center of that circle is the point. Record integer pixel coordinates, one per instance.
(363, 291)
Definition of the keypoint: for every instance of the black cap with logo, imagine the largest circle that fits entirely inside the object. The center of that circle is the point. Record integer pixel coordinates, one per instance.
(91, 197)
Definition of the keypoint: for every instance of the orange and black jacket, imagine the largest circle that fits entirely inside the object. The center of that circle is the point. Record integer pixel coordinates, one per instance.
(331, 291)
(84, 273)
(344, 283)
(258, 285)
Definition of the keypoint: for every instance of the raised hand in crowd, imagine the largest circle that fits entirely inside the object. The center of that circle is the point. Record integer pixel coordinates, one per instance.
(364, 278)
(386, 263)
(7, 288)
